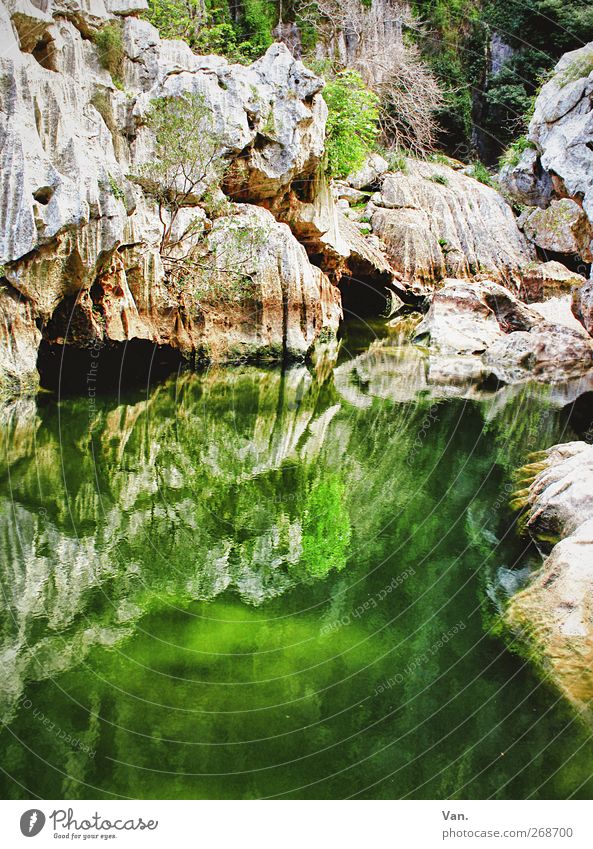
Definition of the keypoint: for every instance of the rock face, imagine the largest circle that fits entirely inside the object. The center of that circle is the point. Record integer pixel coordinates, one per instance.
(78, 237)
(582, 305)
(557, 166)
(544, 280)
(508, 340)
(562, 228)
(554, 613)
(437, 223)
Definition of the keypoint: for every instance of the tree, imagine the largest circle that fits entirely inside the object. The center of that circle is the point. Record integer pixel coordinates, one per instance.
(352, 122)
(188, 162)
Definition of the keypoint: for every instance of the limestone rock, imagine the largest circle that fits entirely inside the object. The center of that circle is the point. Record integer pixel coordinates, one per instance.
(70, 217)
(543, 280)
(563, 228)
(527, 182)
(582, 305)
(437, 222)
(467, 318)
(369, 174)
(554, 613)
(547, 351)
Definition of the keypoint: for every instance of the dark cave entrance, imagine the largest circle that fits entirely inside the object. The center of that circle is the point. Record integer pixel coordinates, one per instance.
(572, 261)
(366, 296)
(104, 368)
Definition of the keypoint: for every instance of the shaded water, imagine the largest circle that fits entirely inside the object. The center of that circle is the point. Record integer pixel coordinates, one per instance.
(254, 582)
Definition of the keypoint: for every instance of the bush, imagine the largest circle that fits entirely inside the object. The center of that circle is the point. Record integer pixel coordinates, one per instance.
(513, 153)
(352, 123)
(480, 172)
(110, 49)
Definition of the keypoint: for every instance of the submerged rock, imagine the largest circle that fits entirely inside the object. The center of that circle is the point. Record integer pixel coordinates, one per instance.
(554, 613)
(547, 351)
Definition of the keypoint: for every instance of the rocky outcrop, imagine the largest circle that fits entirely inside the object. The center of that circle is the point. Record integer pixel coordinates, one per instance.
(509, 340)
(80, 235)
(557, 165)
(543, 280)
(582, 305)
(437, 222)
(554, 613)
(562, 228)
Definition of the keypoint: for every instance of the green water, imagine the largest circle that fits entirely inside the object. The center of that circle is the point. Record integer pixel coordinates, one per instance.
(254, 582)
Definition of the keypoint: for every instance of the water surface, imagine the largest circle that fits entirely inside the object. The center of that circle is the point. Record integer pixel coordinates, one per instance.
(258, 582)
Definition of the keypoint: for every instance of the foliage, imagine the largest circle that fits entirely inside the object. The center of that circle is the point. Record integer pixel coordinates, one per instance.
(512, 154)
(110, 49)
(352, 123)
(398, 161)
(479, 172)
(117, 192)
(186, 163)
(209, 27)
(441, 179)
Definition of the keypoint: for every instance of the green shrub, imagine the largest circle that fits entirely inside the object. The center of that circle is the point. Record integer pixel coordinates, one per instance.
(110, 49)
(513, 153)
(398, 161)
(441, 179)
(352, 122)
(480, 172)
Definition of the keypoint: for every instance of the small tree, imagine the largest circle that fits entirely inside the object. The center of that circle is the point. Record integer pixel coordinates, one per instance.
(188, 160)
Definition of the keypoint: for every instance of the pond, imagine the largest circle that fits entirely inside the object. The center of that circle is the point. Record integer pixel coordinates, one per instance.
(264, 582)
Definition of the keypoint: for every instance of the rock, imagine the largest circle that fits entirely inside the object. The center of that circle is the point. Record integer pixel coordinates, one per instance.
(467, 318)
(558, 311)
(527, 182)
(342, 191)
(560, 132)
(563, 228)
(554, 613)
(250, 292)
(369, 174)
(582, 305)
(547, 351)
(437, 222)
(71, 220)
(543, 280)
(19, 340)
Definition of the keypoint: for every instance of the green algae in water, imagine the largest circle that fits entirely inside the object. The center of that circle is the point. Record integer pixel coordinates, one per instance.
(246, 583)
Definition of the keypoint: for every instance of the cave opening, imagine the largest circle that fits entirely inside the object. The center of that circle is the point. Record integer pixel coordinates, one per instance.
(572, 261)
(366, 296)
(106, 367)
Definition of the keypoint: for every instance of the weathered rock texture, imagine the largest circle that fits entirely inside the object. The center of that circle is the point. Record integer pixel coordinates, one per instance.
(79, 240)
(513, 341)
(437, 223)
(556, 173)
(554, 613)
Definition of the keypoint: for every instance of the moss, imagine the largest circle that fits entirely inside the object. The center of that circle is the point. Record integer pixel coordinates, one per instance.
(577, 70)
(441, 179)
(110, 50)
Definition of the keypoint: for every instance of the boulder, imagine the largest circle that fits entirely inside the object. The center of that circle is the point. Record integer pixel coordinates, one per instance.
(562, 228)
(582, 305)
(369, 174)
(467, 318)
(546, 352)
(543, 280)
(436, 222)
(554, 613)
(560, 133)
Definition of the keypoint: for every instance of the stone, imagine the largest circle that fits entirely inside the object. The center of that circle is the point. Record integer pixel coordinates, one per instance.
(546, 352)
(543, 280)
(369, 174)
(582, 305)
(562, 228)
(468, 318)
(560, 133)
(527, 182)
(554, 613)
(71, 219)
(437, 222)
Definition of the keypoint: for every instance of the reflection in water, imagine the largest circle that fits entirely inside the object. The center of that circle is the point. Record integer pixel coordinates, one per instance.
(249, 582)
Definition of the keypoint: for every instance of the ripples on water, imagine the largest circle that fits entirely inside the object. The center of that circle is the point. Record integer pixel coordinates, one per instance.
(254, 582)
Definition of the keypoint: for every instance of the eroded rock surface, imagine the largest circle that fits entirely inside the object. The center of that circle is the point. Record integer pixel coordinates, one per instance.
(80, 237)
(436, 223)
(554, 613)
